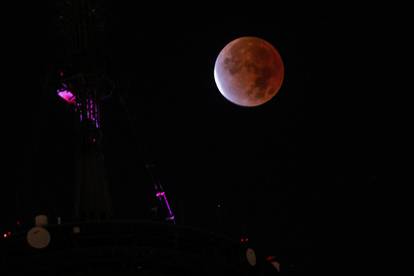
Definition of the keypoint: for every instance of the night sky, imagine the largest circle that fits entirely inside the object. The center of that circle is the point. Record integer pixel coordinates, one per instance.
(274, 169)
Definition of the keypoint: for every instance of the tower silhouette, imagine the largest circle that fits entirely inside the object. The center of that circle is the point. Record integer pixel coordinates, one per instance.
(83, 83)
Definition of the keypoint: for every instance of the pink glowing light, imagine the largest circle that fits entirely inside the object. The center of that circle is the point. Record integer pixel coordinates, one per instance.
(67, 96)
(5, 235)
(163, 196)
(244, 240)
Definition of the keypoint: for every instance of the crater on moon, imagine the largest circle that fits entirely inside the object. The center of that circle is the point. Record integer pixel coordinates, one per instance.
(249, 71)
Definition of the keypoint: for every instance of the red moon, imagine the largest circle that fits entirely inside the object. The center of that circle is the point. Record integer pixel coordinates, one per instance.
(249, 71)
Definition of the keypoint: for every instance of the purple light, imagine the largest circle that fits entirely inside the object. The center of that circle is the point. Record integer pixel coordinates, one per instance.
(85, 103)
(67, 96)
(171, 215)
(90, 110)
(79, 109)
(96, 116)
(87, 110)
(162, 195)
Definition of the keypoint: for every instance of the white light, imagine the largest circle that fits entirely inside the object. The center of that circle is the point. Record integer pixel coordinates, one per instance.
(251, 256)
(276, 265)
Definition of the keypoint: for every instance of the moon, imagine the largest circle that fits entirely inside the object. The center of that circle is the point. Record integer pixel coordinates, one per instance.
(249, 71)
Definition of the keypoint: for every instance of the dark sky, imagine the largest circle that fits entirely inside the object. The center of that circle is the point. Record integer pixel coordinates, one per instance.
(275, 168)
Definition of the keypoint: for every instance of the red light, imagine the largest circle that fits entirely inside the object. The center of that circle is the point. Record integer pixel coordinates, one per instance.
(18, 222)
(244, 240)
(9, 233)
